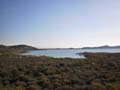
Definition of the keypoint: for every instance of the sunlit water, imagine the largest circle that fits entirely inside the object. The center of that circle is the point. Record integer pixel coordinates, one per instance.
(68, 53)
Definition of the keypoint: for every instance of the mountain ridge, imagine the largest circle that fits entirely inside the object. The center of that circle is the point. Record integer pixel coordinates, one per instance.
(28, 47)
(102, 47)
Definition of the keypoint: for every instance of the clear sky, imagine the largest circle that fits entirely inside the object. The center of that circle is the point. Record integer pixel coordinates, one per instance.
(60, 23)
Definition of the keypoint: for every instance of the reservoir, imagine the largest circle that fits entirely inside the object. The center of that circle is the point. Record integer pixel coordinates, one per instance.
(69, 53)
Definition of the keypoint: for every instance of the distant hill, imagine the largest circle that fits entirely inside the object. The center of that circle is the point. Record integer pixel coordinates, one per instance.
(16, 48)
(22, 47)
(101, 47)
(25, 47)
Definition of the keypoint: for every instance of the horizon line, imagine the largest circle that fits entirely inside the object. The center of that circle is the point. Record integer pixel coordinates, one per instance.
(57, 47)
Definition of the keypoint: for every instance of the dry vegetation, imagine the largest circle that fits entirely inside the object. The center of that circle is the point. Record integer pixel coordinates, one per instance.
(97, 72)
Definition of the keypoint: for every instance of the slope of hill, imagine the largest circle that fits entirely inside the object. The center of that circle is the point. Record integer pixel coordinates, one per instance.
(16, 48)
(22, 47)
(101, 47)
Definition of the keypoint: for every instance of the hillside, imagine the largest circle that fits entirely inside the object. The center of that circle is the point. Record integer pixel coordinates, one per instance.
(22, 47)
(102, 47)
(16, 48)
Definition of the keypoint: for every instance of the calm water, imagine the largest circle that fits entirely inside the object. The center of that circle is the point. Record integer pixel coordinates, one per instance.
(70, 53)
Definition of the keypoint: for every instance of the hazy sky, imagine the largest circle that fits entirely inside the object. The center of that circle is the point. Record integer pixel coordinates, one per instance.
(60, 23)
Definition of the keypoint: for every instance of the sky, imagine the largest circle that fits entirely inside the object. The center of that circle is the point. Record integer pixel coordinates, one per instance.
(60, 23)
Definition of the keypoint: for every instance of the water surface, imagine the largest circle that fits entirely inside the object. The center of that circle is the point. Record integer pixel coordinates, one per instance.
(68, 53)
